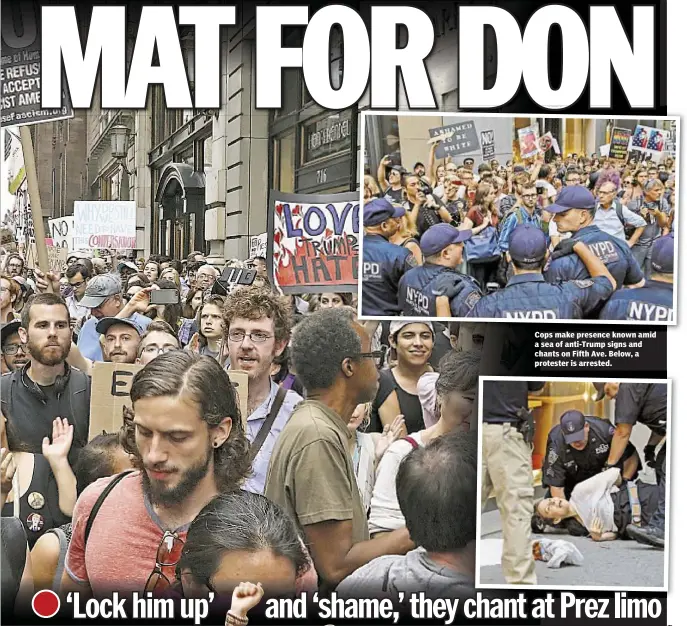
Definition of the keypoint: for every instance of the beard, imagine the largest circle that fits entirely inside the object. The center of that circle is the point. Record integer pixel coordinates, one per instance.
(55, 357)
(169, 496)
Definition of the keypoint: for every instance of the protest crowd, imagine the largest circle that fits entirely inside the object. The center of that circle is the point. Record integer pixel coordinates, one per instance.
(352, 467)
(549, 237)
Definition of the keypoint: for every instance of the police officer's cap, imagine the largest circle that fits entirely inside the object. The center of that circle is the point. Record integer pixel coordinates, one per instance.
(527, 244)
(441, 236)
(575, 197)
(572, 425)
(662, 255)
(380, 210)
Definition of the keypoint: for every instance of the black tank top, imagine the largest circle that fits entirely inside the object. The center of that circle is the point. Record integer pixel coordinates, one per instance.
(409, 403)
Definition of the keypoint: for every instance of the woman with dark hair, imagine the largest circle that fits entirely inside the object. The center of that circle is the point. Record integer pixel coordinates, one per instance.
(103, 456)
(209, 338)
(189, 310)
(482, 216)
(39, 489)
(152, 270)
(330, 301)
(282, 375)
(241, 536)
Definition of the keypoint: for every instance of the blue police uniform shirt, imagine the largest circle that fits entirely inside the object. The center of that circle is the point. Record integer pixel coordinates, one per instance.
(615, 254)
(416, 297)
(651, 303)
(383, 265)
(530, 297)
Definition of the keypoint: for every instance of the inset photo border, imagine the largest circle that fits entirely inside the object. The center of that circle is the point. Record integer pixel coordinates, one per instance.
(504, 137)
(571, 455)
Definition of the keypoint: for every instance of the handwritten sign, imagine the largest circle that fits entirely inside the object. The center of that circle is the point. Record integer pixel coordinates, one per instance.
(60, 230)
(456, 139)
(258, 246)
(105, 224)
(110, 394)
(313, 242)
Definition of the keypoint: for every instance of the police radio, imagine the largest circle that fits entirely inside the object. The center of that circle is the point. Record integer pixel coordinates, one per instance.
(492, 287)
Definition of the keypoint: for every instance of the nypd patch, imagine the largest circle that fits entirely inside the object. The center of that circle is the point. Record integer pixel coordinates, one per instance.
(472, 299)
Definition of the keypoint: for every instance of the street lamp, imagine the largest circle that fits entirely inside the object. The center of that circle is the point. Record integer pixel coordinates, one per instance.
(119, 145)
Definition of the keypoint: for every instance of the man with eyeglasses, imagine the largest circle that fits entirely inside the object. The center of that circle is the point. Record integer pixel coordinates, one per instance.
(524, 212)
(612, 217)
(14, 351)
(78, 276)
(258, 327)
(186, 435)
(311, 473)
(158, 339)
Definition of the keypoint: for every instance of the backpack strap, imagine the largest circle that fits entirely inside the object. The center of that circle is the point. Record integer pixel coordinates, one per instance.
(619, 211)
(267, 424)
(99, 503)
(412, 442)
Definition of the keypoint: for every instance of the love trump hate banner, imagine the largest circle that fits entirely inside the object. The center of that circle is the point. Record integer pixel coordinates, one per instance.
(313, 242)
(105, 224)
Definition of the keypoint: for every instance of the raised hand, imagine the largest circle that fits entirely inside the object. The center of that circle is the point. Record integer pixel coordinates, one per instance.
(7, 470)
(62, 436)
(245, 597)
(391, 433)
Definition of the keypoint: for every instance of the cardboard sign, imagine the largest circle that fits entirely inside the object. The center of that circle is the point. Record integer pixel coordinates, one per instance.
(258, 246)
(57, 257)
(488, 144)
(60, 230)
(313, 242)
(529, 141)
(105, 224)
(110, 389)
(457, 139)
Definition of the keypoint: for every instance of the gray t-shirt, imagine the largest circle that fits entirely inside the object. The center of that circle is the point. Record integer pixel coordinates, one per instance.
(415, 572)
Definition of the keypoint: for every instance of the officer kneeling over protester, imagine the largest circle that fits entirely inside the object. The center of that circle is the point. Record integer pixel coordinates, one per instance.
(577, 449)
(442, 247)
(383, 262)
(573, 212)
(654, 301)
(527, 294)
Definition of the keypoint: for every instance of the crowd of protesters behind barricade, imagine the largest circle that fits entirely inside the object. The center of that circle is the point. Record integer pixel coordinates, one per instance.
(340, 475)
(576, 237)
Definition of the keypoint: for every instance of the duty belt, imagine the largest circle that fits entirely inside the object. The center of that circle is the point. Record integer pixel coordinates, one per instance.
(635, 505)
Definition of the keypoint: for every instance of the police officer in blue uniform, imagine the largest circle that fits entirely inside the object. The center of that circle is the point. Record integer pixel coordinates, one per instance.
(442, 247)
(654, 301)
(383, 262)
(573, 212)
(528, 296)
(646, 403)
(577, 449)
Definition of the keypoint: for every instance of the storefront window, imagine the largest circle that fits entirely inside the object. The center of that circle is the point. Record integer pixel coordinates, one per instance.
(284, 156)
(326, 136)
(186, 156)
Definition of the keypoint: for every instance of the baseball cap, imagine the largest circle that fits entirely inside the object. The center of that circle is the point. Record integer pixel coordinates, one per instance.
(400, 169)
(662, 256)
(440, 236)
(379, 210)
(518, 168)
(129, 264)
(600, 392)
(106, 322)
(576, 197)
(78, 254)
(527, 244)
(99, 289)
(572, 425)
(8, 330)
(468, 159)
(397, 327)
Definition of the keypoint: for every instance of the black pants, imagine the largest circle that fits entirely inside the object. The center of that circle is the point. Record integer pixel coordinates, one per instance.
(658, 519)
(483, 273)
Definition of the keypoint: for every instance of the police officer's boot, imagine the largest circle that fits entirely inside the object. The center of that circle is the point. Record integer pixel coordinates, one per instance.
(649, 535)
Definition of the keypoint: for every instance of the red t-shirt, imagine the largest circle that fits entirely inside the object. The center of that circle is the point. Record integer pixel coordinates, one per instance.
(124, 539)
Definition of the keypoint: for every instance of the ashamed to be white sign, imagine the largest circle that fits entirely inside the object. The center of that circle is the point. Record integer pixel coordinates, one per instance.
(105, 224)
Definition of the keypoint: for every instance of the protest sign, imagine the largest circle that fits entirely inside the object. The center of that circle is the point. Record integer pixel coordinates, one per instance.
(104, 224)
(457, 139)
(60, 230)
(258, 246)
(604, 150)
(548, 141)
(648, 140)
(21, 69)
(488, 144)
(57, 257)
(313, 242)
(620, 140)
(529, 141)
(111, 384)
